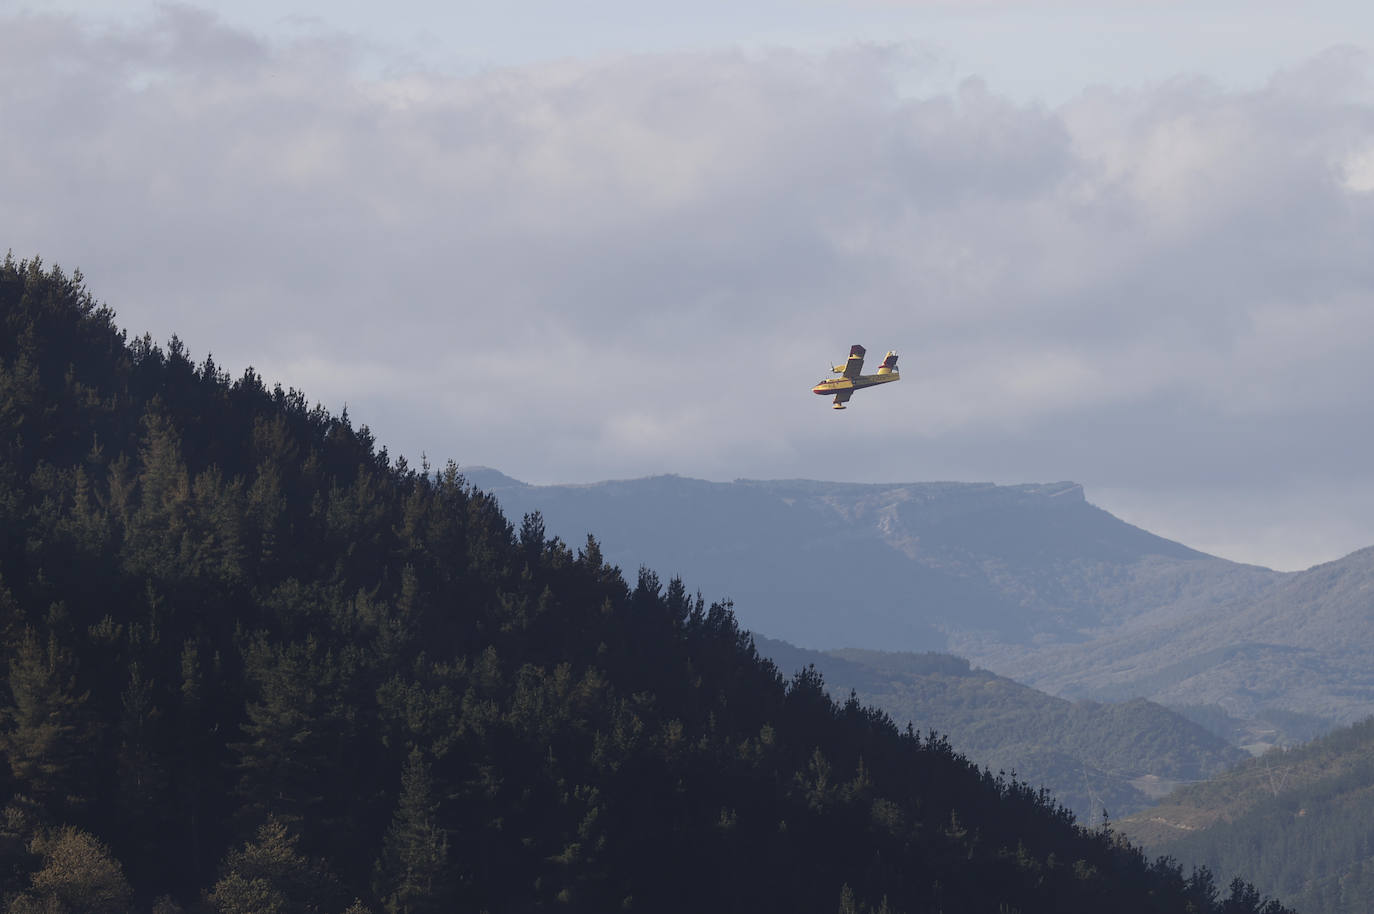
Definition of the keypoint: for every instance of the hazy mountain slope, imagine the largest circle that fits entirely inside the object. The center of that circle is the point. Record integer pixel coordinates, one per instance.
(1299, 821)
(1092, 756)
(1031, 581)
(1299, 644)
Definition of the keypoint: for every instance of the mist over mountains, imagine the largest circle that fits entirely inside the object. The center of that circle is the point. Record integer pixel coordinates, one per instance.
(1030, 581)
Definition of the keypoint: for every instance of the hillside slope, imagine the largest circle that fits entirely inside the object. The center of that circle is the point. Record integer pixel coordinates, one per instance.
(1298, 644)
(1092, 756)
(251, 664)
(1300, 821)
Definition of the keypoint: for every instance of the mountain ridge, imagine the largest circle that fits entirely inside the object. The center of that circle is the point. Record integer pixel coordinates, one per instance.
(1029, 580)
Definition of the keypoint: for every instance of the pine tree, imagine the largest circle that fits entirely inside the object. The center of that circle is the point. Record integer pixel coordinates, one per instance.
(43, 736)
(142, 774)
(415, 853)
(286, 741)
(160, 525)
(269, 875)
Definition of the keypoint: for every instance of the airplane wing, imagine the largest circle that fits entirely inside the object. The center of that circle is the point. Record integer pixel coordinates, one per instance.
(855, 363)
(842, 397)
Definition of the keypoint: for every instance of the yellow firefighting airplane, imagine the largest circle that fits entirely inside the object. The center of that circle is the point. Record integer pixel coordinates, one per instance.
(851, 380)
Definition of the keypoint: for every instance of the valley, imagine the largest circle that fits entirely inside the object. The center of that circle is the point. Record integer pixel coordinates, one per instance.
(1093, 756)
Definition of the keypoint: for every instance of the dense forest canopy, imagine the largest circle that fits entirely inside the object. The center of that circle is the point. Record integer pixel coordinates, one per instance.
(252, 663)
(1298, 821)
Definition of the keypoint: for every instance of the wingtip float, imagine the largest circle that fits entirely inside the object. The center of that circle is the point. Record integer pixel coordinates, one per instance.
(852, 379)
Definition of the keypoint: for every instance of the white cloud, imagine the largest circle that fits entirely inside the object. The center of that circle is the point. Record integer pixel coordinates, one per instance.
(638, 264)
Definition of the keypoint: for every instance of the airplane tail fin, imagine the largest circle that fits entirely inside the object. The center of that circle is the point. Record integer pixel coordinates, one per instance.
(889, 364)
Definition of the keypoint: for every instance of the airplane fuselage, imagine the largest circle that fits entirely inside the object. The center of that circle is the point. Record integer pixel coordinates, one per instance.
(834, 385)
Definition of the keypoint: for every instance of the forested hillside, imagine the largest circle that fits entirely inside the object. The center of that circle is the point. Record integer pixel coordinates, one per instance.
(1093, 756)
(252, 663)
(1299, 821)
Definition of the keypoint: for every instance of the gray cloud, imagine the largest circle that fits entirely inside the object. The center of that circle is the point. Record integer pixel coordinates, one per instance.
(630, 265)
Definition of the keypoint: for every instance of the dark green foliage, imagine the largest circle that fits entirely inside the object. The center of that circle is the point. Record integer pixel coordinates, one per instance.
(277, 671)
(414, 860)
(269, 875)
(43, 737)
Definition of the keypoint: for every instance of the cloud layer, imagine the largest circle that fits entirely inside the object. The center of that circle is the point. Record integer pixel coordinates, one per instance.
(624, 266)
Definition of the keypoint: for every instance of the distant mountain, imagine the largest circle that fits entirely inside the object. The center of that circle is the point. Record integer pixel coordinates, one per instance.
(1117, 757)
(1031, 581)
(1299, 822)
(900, 566)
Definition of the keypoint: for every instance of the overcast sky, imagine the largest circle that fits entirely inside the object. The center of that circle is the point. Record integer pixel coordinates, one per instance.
(1124, 244)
